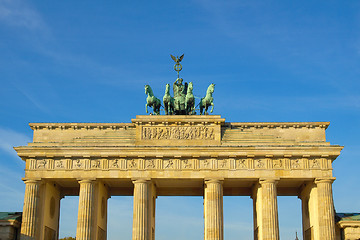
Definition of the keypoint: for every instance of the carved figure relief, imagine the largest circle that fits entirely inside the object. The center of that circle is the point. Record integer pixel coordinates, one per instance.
(178, 133)
(169, 164)
(77, 164)
(314, 163)
(186, 164)
(41, 163)
(241, 163)
(59, 164)
(277, 163)
(115, 163)
(295, 163)
(132, 163)
(259, 163)
(205, 164)
(223, 163)
(95, 164)
(150, 163)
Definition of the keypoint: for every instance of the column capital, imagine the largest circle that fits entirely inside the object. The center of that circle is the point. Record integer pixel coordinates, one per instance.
(86, 180)
(141, 180)
(324, 180)
(31, 180)
(269, 180)
(213, 180)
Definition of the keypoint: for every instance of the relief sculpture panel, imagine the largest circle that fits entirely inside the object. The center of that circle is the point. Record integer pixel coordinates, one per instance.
(178, 133)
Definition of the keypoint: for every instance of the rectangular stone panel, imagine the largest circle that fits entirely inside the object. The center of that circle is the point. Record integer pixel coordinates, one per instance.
(171, 131)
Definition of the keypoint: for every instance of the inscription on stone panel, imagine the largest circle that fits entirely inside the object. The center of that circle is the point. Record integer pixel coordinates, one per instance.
(178, 133)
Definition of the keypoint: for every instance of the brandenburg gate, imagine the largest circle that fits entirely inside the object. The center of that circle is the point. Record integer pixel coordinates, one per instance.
(177, 155)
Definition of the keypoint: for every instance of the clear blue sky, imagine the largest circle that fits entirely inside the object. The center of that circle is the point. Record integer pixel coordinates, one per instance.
(87, 61)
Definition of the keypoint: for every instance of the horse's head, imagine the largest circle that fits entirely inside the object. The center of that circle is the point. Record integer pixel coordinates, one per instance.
(167, 88)
(211, 88)
(190, 86)
(146, 89)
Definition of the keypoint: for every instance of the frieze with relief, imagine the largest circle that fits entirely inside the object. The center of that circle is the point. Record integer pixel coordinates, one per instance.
(178, 133)
(185, 164)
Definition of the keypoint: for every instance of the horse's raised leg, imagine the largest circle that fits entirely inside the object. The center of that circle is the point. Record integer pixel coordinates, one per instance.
(146, 105)
(212, 109)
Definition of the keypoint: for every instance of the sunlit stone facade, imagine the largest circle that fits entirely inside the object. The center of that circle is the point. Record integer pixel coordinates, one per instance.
(177, 155)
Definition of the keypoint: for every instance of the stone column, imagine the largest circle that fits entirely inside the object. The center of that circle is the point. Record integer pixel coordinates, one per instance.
(30, 211)
(141, 216)
(270, 222)
(213, 210)
(326, 209)
(84, 229)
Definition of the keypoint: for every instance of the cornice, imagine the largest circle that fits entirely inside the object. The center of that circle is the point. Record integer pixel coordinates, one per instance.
(270, 125)
(77, 126)
(330, 152)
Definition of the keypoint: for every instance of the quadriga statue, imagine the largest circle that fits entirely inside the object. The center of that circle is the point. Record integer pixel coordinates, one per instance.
(183, 102)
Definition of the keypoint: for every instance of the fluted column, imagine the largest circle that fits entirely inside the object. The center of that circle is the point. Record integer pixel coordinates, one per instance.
(326, 209)
(85, 213)
(213, 210)
(270, 221)
(30, 218)
(141, 216)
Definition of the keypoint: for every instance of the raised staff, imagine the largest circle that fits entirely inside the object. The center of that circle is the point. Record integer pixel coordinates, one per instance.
(177, 66)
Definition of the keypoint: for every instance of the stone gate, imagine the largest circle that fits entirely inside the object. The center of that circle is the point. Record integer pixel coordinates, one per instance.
(183, 156)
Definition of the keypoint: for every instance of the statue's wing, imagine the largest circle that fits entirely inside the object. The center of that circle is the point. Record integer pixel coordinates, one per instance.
(181, 57)
(173, 58)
